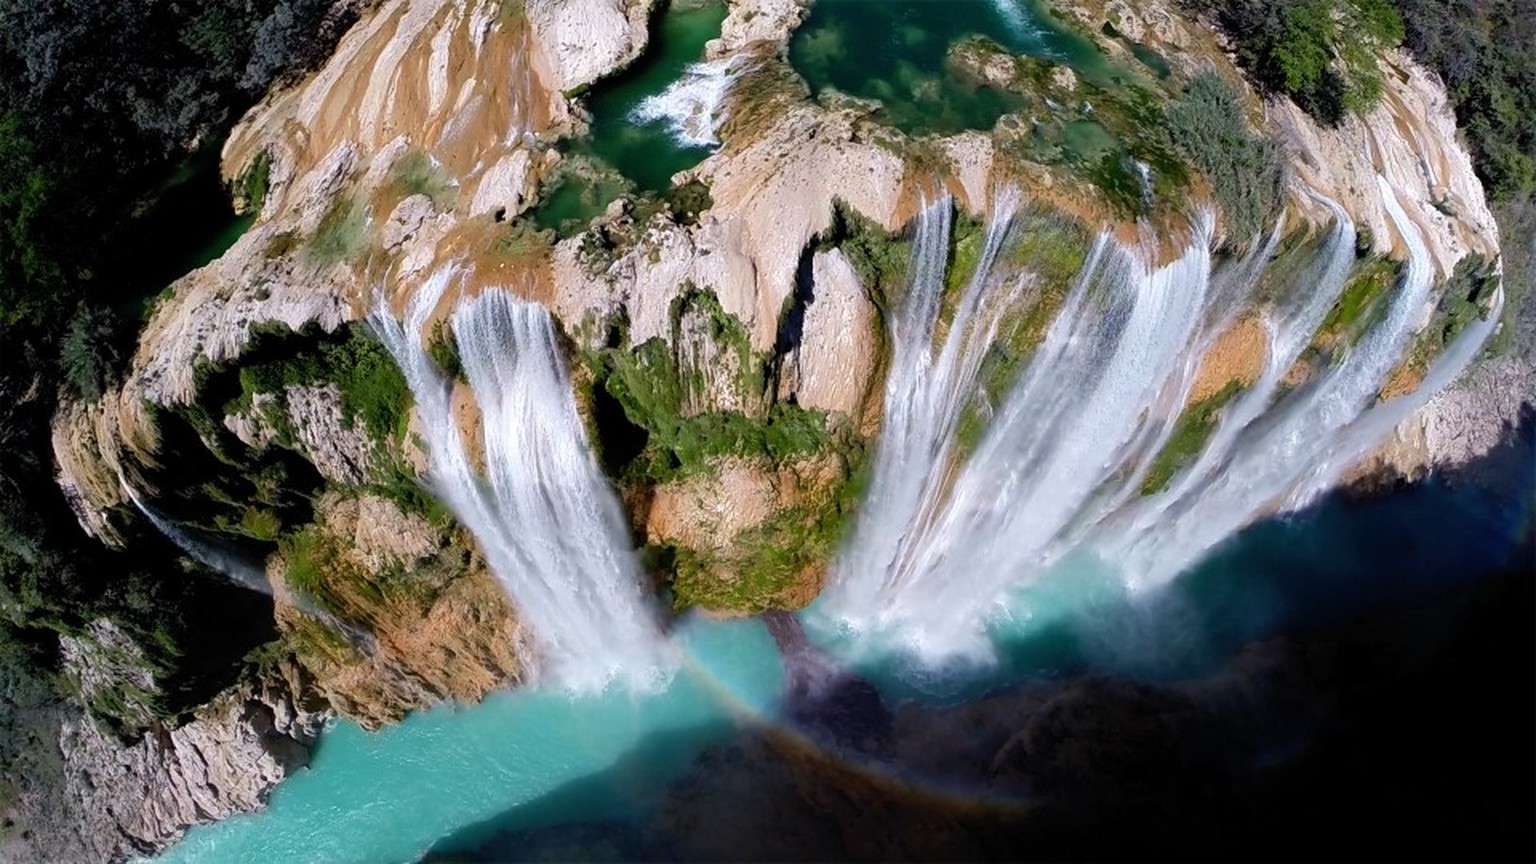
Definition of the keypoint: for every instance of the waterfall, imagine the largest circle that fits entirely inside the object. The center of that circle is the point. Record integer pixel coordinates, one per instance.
(232, 567)
(1292, 445)
(941, 542)
(549, 525)
(693, 107)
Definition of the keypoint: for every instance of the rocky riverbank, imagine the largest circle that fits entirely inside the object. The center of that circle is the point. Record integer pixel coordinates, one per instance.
(117, 801)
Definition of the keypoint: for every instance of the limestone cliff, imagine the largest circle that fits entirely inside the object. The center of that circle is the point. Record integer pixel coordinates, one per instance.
(119, 801)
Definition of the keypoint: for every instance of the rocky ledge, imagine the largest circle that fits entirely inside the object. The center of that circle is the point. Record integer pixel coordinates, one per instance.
(119, 801)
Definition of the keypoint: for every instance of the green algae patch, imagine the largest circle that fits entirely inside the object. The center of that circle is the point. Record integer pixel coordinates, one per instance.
(1190, 433)
(1362, 299)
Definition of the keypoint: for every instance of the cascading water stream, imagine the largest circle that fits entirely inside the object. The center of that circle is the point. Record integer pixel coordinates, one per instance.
(694, 106)
(546, 520)
(1302, 435)
(1293, 318)
(232, 567)
(939, 544)
(924, 398)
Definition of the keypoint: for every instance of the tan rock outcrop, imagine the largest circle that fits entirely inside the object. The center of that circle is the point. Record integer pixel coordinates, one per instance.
(832, 367)
(410, 617)
(757, 25)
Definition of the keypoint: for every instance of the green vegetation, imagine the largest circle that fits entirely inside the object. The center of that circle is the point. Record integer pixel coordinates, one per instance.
(29, 753)
(611, 240)
(1482, 50)
(342, 233)
(1190, 432)
(373, 392)
(1467, 296)
(1361, 299)
(652, 423)
(1244, 169)
(1054, 250)
(1052, 247)
(878, 257)
(319, 571)
(966, 239)
(769, 561)
(1321, 53)
(252, 186)
(649, 385)
(443, 348)
(88, 355)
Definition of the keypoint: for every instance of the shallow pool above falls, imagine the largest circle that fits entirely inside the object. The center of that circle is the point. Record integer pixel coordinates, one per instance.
(895, 51)
(649, 150)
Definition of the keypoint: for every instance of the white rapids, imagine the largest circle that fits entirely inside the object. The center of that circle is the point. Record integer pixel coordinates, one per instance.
(548, 523)
(941, 542)
(694, 106)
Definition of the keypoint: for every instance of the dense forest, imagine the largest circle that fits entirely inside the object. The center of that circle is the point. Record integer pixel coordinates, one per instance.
(102, 107)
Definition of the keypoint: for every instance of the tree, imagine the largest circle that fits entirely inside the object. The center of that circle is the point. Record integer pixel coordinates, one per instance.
(88, 356)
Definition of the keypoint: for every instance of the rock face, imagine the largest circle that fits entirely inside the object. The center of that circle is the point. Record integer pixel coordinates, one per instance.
(770, 200)
(120, 801)
(1410, 141)
(832, 366)
(757, 24)
(340, 451)
(105, 663)
(410, 617)
(585, 39)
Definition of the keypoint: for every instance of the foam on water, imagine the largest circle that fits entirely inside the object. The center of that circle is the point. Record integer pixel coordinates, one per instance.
(694, 106)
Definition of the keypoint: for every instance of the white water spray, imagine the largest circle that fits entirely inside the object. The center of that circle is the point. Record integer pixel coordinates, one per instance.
(549, 525)
(694, 106)
(939, 544)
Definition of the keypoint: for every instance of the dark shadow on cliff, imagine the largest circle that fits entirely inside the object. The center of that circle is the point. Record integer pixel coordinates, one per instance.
(1354, 682)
